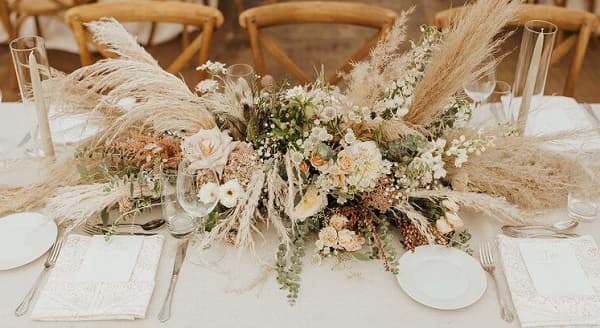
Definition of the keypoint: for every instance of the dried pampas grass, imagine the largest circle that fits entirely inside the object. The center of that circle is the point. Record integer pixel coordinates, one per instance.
(368, 79)
(521, 170)
(466, 45)
(61, 173)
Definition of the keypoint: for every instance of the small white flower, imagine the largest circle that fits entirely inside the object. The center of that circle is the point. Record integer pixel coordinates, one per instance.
(209, 193)
(208, 85)
(443, 226)
(349, 138)
(229, 193)
(212, 67)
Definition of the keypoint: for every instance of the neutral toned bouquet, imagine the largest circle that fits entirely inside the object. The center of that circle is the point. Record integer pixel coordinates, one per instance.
(390, 152)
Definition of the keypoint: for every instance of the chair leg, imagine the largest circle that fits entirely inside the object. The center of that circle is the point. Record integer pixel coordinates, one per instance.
(38, 26)
(151, 35)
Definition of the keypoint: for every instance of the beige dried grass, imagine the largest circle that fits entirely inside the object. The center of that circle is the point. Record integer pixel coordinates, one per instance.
(521, 170)
(460, 56)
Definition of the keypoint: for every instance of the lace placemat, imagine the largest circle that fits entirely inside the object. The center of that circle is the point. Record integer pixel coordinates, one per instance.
(535, 310)
(64, 298)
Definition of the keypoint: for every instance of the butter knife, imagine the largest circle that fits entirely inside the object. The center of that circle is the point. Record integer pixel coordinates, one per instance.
(165, 311)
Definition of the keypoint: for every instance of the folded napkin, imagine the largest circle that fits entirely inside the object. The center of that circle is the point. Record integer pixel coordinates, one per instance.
(553, 282)
(95, 279)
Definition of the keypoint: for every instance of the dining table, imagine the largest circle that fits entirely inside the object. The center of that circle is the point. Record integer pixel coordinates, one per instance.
(236, 291)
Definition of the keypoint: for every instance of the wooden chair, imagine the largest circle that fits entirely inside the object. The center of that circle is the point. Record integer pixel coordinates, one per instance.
(206, 18)
(36, 8)
(581, 23)
(5, 19)
(311, 12)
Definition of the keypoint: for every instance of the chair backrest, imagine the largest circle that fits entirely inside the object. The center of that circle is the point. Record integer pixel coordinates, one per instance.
(581, 23)
(5, 19)
(329, 12)
(206, 18)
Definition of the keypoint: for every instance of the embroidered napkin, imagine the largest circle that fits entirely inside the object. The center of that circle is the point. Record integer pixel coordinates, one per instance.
(98, 280)
(553, 282)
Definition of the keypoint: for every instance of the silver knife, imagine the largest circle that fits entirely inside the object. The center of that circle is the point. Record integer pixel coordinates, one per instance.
(165, 311)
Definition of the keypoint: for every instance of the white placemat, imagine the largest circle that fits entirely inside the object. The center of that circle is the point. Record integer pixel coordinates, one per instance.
(67, 297)
(540, 294)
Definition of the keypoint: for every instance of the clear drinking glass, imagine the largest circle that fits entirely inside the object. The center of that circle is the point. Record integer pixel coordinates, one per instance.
(583, 200)
(238, 81)
(197, 193)
(179, 222)
(499, 103)
(481, 88)
(532, 67)
(20, 49)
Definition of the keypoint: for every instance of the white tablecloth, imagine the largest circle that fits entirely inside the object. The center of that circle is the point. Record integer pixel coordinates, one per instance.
(58, 35)
(359, 294)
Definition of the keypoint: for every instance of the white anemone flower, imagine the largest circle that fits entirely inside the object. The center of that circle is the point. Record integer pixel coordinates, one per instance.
(209, 193)
(229, 193)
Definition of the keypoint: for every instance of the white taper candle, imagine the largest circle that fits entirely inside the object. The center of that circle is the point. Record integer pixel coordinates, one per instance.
(40, 106)
(530, 83)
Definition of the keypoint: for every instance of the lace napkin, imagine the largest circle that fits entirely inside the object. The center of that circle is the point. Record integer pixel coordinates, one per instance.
(67, 297)
(537, 309)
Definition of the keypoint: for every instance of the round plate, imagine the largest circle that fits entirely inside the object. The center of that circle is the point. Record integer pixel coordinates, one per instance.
(24, 237)
(441, 277)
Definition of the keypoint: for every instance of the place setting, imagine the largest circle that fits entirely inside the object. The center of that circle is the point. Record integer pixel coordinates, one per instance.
(133, 191)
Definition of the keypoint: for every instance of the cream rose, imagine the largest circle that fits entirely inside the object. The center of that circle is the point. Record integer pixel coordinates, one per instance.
(345, 162)
(208, 149)
(455, 221)
(328, 237)
(443, 226)
(311, 203)
(349, 240)
(338, 221)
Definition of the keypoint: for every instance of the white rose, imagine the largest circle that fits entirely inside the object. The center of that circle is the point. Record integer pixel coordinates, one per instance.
(338, 221)
(443, 226)
(208, 149)
(455, 221)
(209, 193)
(328, 237)
(312, 202)
(229, 193)
(450, 205)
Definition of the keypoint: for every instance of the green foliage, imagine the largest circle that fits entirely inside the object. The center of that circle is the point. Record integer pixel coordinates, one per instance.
(403, 150)
(288, 270)
(461, 240)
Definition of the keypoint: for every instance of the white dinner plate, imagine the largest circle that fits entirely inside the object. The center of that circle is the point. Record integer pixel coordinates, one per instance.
(441, 277)
(24, 237)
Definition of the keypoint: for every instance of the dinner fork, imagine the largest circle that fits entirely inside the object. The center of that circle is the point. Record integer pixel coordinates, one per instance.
(50, 261)
(92, 230)
(486, 258)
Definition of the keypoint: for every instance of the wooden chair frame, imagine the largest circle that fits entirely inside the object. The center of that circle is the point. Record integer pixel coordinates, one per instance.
(311, 12)
(22, 13)
(581, 23)
(5, 19)
(207, 18)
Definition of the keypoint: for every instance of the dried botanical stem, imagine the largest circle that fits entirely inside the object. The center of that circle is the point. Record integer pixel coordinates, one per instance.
(459, 59)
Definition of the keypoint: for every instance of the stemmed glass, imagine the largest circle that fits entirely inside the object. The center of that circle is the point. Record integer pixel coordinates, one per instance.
(499, 103)
(583, 199)
(197, 193)
(483, 86)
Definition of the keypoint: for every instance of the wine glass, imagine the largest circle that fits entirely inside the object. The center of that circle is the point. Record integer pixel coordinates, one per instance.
(197, 193)
(481, 87)
(499, 103)
(179, 223)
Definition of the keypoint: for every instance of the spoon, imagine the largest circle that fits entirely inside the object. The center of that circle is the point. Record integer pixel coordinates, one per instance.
(150, 225)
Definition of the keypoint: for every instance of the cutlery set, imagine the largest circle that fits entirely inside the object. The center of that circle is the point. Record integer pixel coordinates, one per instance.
(117, 230)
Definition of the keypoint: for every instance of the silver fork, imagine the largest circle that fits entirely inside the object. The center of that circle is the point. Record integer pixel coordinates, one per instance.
(486, 258)
(50, 261)
(92, 230)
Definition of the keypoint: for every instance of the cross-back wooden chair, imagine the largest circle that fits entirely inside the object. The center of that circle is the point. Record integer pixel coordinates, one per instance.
(580, 23)
(23, 9)
(5, 19)
(206, 18)
(311, 12)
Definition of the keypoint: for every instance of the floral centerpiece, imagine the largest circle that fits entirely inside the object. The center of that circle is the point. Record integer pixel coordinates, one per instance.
(352, 170)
